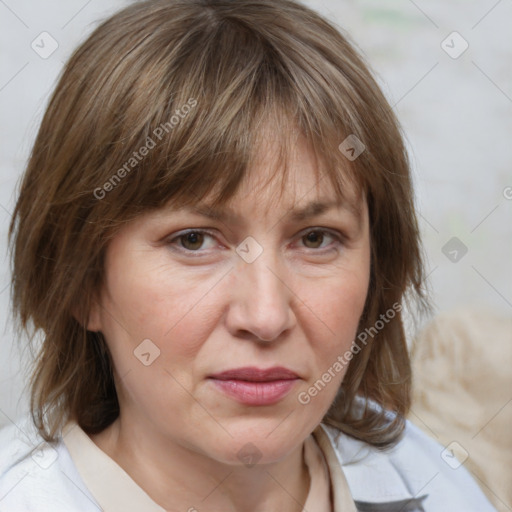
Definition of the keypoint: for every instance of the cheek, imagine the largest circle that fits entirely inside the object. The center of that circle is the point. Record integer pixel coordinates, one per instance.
(158, 303)
(338, 304)
(171, 311)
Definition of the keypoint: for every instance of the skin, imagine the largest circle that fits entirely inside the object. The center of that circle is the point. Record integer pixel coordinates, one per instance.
(296, 305)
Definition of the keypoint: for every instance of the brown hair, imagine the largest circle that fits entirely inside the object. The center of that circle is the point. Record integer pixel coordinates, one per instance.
(194, 82)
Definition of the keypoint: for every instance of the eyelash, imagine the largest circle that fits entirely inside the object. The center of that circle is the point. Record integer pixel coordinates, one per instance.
(338, 237)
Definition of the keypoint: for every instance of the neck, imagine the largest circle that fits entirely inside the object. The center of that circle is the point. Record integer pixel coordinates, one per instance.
(179, 478)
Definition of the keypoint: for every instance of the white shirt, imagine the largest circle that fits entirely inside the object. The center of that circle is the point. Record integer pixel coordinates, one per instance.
(349, 476)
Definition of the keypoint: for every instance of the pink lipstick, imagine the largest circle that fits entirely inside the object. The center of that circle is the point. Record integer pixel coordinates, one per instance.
(253, 386)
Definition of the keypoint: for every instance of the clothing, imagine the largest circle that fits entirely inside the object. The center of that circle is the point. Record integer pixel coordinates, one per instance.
(35, 476)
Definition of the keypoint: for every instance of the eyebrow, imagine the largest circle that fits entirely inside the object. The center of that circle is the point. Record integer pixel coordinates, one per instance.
(312, 209)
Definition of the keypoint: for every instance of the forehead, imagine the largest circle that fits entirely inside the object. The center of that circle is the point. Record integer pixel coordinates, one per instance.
(290, 177)
(286, 174)
(301, 192)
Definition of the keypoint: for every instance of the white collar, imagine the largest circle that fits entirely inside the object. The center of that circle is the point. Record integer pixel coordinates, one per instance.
(376, 481)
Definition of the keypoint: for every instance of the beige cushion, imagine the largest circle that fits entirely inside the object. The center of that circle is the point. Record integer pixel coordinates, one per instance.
(462, 392)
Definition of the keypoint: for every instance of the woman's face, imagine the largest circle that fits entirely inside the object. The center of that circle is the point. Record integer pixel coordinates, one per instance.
(262, 287)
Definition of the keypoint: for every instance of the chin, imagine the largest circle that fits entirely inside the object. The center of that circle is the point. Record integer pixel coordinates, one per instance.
(263, 447)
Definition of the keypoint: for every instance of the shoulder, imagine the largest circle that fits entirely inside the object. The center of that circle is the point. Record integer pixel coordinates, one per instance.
(417, 468)
(37, 476)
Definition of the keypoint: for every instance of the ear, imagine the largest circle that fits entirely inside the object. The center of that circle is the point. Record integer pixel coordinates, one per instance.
(91, 320)
(94, 316)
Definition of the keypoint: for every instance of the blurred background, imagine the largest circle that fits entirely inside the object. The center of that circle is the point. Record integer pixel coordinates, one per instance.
(446, 70)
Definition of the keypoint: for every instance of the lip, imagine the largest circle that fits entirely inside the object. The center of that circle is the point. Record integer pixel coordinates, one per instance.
(254, 374)
(254, 386)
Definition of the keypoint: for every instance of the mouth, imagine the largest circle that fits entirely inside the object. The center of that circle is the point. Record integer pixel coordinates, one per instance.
(254, 386)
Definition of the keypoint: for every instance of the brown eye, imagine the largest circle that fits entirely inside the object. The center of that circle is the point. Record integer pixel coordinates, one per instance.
(315, 238)
(322, 239)
(192, 240)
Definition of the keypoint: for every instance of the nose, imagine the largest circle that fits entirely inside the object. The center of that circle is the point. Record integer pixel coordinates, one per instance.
(261, 300)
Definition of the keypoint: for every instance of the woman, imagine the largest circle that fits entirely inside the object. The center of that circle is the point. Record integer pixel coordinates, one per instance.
(214, 235)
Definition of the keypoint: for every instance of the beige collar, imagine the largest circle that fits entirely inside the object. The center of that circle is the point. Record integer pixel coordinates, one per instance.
(115, 490)
(341, 497)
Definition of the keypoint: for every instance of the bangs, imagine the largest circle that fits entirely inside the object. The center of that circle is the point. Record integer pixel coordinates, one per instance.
(206, 116)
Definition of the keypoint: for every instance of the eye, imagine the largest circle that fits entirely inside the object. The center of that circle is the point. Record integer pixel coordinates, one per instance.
(314, 238)
(193, 240)
(190, 241)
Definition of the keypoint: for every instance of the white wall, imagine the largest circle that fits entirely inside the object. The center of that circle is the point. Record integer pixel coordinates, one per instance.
(457, 114)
